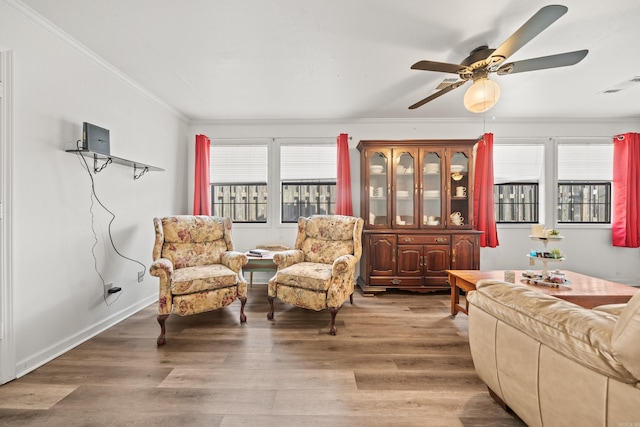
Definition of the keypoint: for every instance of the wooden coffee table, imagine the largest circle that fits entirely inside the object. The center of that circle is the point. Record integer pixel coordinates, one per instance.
(585, 291)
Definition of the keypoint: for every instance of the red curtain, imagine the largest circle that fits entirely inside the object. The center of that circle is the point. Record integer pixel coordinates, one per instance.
(202, 193)
(626, 191)
(483, 211)
(343, 184)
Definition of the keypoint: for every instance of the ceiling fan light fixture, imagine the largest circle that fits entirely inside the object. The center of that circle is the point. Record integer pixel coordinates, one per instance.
(482, 95)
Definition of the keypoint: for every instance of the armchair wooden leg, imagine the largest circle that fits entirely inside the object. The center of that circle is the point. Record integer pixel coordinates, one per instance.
(161, 319)
(243, 317)
(333, 312)
(351, 298)
(270, 314)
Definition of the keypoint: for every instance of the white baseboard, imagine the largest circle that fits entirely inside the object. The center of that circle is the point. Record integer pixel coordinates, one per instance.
(34, 361)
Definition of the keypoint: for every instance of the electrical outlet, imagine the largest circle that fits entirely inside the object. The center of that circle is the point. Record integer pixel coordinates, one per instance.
(140, 275)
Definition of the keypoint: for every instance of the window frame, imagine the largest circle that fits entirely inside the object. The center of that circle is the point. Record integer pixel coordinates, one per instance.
(541, 180)
(608, 196)
(213, 186)
(309, 142)
(579, 141)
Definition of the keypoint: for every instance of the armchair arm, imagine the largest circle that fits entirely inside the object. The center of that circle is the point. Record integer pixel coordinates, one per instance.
(163, 268)
(344, 264)
(160, 267)
(342, 283)
(287, 258)
(234, 260)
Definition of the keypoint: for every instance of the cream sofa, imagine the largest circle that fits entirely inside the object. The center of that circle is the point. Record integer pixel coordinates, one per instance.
(555, 363)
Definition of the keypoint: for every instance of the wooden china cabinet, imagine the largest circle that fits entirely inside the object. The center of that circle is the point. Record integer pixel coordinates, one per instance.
(417, 203)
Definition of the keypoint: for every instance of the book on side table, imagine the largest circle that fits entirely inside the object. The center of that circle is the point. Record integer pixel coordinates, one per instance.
(258, 252)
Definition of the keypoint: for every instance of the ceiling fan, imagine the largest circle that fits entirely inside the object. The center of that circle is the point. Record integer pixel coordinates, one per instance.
(482, 61)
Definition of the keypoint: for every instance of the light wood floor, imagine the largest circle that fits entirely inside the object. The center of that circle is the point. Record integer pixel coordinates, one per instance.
(399, 359)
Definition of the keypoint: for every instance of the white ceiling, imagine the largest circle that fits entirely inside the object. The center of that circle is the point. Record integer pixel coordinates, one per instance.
(351, 59)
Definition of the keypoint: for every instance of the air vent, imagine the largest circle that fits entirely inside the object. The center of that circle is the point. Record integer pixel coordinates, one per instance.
(623, 85)
(448, 82)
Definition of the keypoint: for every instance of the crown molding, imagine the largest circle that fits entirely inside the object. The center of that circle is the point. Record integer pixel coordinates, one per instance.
(51, 28)
(422, 120)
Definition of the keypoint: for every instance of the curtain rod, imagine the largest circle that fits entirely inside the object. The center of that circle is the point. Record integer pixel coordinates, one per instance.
(272, 138)
(555, 137)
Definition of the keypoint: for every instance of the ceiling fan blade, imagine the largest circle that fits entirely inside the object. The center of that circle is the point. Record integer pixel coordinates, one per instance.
(551, 61)
(442, 67)
(437, 94)
(534, 26)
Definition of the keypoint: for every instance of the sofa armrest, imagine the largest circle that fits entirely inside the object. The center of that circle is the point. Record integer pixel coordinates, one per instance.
(286, 258)
(580, 334)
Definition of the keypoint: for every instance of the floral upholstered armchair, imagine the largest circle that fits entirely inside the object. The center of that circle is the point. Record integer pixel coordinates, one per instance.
(198, 269)
(319, 272)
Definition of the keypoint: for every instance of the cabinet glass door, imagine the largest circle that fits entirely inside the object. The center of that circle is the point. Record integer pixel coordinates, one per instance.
(405, 185)
(378, 189)
(432, 189)
(459, 210)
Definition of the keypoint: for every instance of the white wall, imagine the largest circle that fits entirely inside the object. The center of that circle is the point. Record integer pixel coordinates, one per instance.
(58, 298)
(588, 249)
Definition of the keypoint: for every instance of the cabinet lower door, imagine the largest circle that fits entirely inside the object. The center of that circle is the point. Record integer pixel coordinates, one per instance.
(382, 255)
(410, 260)
(436, 260)
(465, 253)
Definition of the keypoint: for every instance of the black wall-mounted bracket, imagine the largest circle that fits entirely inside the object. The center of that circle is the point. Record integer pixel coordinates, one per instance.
(139, 169)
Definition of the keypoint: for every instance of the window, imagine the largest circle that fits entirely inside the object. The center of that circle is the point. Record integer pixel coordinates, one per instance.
(518, 170)
(238, 176)
(584, 202)
(585, 172)
(308, 179)
(515, 202)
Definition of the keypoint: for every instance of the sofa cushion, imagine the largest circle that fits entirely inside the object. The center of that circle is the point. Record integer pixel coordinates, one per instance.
(189, 280)
(625, 340)
(306, 275)
(613, 309)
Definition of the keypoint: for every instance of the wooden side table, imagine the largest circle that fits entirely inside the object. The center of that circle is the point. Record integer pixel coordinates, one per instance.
(260, 264)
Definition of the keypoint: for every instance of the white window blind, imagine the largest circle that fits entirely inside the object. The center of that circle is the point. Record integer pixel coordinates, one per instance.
(517, 163)
(301, 162)
(238, 163)
(585, 162)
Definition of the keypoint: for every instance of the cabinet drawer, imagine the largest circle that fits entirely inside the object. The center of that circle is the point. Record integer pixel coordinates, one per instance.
(395, 281)
(421, 239)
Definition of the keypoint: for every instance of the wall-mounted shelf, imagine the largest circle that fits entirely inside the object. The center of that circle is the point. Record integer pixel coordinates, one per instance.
(101, 161)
